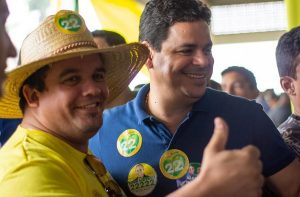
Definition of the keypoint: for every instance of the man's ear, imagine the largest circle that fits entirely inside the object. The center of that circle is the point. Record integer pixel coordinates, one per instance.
(288, 85)
(149, 63)
(30, 95)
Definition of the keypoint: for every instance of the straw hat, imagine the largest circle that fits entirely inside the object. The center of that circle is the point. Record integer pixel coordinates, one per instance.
(64, 36)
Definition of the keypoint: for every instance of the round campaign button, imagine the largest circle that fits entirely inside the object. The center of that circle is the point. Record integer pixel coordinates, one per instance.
(174, 164)
(69, 22)
(193, 171)
(129, 142)
(142, 179)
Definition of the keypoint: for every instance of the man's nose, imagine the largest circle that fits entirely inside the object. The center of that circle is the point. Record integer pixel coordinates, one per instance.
(95, 88)
(201, 58)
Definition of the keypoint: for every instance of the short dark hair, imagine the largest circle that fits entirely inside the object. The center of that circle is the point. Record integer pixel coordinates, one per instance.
(287, 49)
(35, 80)
(249, 76)
(159, 15)
(112, 38)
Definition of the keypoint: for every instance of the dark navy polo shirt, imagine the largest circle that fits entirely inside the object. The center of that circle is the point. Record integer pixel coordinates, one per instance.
(248, 124)
(7, 128)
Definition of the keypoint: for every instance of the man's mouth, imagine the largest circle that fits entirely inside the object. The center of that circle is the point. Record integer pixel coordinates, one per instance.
(95, 105)
(196, 75)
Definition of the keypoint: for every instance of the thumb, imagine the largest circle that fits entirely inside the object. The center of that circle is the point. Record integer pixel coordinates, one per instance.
(219, 138)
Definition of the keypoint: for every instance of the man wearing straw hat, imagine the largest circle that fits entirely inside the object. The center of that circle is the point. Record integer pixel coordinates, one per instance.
(170, 121)
(102, 38)
(60, 90)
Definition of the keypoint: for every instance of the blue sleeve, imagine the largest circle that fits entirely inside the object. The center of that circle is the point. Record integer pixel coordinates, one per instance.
(7, 128)
(275, 154)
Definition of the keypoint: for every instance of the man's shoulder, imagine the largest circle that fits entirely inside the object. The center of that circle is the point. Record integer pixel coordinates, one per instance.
(126, 108)
(34, 177)
(219, 100)
(122, 112)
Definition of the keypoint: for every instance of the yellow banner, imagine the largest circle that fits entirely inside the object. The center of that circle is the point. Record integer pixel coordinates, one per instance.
(122, 16)
(119, 15)
(293, 13)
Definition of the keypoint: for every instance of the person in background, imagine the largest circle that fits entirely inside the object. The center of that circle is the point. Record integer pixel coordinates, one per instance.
(239, 81)
(60, 89)
(7, 50)
(103, 39)
(172, 118)
(280, 107)
(288, 64)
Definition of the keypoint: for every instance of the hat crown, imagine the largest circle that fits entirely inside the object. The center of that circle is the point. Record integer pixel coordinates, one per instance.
(64, 32)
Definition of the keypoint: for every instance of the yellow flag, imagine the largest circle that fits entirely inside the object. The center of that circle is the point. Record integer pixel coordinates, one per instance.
(121, 16)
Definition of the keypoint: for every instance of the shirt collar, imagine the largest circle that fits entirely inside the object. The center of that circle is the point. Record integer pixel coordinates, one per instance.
(139, 103)
(205, 103)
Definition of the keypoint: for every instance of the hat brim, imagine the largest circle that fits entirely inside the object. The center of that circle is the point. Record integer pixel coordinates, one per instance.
(121, 62)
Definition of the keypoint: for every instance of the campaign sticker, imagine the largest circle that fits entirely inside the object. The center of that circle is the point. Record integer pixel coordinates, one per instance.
(69, 22)
(192, 173)
(174, 164)
(142, 179)
(129, 142)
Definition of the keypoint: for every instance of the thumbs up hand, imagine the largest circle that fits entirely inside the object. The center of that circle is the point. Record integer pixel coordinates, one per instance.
(231, 173)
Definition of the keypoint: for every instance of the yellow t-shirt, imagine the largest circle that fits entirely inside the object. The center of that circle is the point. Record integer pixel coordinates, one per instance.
(35, 163)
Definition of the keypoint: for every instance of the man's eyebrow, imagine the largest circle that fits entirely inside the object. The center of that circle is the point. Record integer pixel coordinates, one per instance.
(68, 71)
(188, 45)
(191, 45)
(74, 70)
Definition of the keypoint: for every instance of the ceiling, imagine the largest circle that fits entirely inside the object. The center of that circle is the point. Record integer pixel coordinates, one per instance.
(225, 2)
(230, 2)
(241, 37)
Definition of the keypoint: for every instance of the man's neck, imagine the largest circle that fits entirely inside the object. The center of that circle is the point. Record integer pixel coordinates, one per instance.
(34, 124)
(168, 110)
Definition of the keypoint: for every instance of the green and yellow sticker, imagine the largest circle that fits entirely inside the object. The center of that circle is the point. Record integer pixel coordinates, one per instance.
(69, 22)
(174, 164)
(129, 142)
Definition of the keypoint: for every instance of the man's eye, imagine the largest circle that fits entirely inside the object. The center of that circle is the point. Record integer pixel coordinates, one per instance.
(99, 76)
(186, 51)
(71, 80)
(208, 50)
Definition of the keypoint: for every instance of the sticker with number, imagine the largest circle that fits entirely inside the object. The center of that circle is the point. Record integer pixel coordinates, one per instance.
(69, 22)
(129, 142)
(174, 164)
